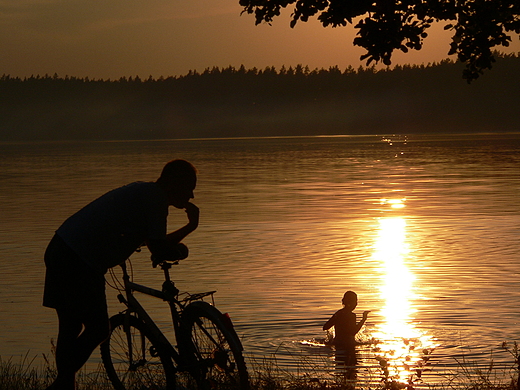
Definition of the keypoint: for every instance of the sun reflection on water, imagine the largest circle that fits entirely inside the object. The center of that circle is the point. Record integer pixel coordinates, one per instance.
(402, 349)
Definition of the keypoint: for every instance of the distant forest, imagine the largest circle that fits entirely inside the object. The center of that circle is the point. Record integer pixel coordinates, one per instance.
(240, 102)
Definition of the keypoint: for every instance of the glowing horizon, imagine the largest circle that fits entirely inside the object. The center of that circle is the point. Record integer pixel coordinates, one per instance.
(111, 40)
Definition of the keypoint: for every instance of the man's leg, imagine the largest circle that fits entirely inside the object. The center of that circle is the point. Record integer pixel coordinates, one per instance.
(77, 339)
(69, 329)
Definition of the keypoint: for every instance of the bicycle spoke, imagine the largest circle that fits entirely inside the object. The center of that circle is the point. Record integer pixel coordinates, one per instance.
(132, 360)
(216, 347)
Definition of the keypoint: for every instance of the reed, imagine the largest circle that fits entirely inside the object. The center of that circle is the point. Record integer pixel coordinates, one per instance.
(22, 375)
(267, 374)
(26, 375)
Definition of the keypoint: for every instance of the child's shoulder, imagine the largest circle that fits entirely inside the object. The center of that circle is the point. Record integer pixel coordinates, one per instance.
(343, 312)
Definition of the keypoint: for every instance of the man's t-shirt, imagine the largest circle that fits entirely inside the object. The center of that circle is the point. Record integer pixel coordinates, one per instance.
(107, 231)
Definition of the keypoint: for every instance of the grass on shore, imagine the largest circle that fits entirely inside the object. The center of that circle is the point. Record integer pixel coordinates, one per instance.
(267, 375)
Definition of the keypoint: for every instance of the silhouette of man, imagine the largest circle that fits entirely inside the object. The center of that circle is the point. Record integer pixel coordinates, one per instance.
(102, 235)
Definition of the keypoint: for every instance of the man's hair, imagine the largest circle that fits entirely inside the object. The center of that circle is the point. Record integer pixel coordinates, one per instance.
(178, 170)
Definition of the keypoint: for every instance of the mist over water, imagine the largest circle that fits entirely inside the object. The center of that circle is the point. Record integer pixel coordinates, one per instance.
(425, 229)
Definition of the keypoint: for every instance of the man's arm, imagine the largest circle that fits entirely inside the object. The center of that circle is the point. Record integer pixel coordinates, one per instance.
(163, 249)
(178, 235)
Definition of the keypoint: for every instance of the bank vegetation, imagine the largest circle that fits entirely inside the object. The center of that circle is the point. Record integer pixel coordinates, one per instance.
(240, 102)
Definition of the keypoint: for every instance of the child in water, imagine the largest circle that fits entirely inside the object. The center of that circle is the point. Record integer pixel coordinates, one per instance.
(344, 322)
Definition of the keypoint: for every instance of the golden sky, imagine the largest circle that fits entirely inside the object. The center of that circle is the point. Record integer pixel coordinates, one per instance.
(114, 38)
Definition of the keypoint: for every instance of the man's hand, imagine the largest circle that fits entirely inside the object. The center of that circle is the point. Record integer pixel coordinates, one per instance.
(170, 253)
(193, 215)
(177, 236)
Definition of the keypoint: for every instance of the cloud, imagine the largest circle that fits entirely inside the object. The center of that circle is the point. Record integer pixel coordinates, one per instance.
(74, 19)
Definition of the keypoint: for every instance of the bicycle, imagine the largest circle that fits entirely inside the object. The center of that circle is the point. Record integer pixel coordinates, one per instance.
(207, 354)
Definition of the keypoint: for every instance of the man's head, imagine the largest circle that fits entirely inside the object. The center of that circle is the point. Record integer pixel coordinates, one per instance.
(178, 179)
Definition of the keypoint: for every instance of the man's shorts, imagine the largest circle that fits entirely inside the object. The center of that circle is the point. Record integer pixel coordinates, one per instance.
(71, 284)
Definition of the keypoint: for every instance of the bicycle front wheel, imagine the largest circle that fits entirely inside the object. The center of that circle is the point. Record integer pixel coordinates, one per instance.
(133, 359)
(216, 346)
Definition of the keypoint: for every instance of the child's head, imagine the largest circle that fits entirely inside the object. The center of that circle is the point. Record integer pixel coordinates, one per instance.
(349, 300)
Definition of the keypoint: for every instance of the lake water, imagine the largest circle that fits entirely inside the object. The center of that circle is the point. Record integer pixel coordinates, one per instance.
(425, 229)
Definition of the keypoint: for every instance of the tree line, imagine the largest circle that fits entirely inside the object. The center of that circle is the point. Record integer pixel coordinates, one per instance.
(227, 102)
(384, 26)
(231, 71)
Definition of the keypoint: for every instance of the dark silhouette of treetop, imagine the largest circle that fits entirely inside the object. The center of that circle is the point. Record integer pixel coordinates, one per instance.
(386, 25)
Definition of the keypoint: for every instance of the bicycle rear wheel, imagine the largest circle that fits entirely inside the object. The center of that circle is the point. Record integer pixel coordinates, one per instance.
(133, 359)
(216, 346)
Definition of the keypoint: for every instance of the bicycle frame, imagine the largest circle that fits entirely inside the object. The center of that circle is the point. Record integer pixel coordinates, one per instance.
(169, 295)
(206, 346)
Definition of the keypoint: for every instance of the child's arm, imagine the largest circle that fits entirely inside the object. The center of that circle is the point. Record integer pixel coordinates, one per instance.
(360, 324)
(330, 323)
